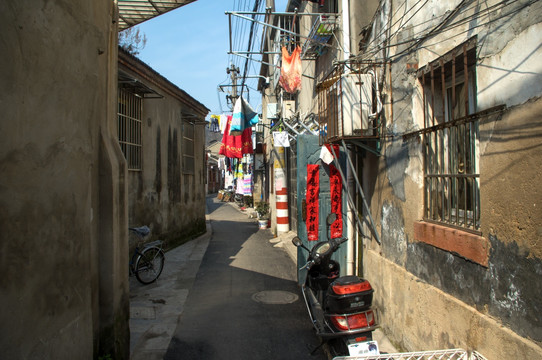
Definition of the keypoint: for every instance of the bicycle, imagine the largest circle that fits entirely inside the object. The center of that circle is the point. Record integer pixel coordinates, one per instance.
(147, 262)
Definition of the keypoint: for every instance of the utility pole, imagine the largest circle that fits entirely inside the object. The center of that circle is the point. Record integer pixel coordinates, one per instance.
(233, 72)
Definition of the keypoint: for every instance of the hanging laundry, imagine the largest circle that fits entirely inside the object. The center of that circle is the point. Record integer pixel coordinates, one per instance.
(239, 171)
(290, 72)
(280, 139)
(246, 141)
(243, 116)
(326, 154)
(239, 187)
(234, 146)
(228, 180)
(222, 122)
(227, 163)
(214, 123)
(247, 184)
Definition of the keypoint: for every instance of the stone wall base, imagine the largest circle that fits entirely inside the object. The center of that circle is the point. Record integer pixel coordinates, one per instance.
(417, 316)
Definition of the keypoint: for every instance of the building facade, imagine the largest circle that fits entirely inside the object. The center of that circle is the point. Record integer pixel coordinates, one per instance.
(161, 132)
(64, 209)
(437, 106)
(64, 184)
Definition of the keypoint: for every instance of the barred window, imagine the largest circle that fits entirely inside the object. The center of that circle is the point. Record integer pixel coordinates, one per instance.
(129, 127)
(188, 148)
(451, 140)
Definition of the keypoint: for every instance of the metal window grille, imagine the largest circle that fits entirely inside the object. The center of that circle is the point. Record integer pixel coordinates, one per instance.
(292, 185)
(129, 127)
(188, 148)
(450, 138)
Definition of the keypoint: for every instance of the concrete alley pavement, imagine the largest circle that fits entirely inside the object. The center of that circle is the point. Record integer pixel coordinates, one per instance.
(232, 293)
(243, 303)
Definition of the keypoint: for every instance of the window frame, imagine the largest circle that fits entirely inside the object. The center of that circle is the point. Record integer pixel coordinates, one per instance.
(461, 239)
(129, 127)
(189, 149)
(451, 186)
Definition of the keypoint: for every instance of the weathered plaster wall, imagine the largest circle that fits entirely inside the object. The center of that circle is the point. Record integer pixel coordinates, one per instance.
(432, 298)
(57, 92)
(307, 97)
(511, 198)
(433, 319)
(162, 196)
(361, 16)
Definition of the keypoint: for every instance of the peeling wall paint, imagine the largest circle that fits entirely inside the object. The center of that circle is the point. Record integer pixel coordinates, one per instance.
(414, 169)
(394, 239)
(397, 161)
(520, 75)
(508, 72)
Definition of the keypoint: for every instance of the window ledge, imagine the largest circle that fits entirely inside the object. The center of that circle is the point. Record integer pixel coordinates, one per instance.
(470, 246)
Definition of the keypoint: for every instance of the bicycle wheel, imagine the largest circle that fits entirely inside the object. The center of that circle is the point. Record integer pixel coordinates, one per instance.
(149, 265)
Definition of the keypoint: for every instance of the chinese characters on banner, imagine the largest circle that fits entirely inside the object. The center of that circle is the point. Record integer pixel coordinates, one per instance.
(313, 191)
(336, 201)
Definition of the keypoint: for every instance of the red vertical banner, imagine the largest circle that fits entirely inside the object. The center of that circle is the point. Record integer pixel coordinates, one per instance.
(335, 185)
(335, 151)
(313, 192)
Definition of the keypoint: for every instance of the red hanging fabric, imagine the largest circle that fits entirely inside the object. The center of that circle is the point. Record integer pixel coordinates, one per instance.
(234, 146)
(335, 151)
(313, 192)
(290, 71)
(335, 185)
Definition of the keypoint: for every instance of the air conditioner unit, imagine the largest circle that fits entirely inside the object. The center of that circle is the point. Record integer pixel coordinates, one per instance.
(272, 111)
(356, 103)
(288, 108)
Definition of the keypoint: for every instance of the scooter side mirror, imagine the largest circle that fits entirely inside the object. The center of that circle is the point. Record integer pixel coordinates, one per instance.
(297, 241)
(331, 219)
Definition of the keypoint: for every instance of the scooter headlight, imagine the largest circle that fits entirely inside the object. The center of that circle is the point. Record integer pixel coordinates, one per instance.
(322, 249)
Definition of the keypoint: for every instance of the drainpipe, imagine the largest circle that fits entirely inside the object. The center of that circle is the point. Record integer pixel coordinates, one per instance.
(346, 28)
(350, 233)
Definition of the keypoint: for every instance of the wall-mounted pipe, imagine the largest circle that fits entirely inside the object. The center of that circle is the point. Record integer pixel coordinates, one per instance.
(377, 92)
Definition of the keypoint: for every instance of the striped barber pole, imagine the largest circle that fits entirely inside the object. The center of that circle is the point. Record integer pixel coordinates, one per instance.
(281, 192)
(282, 211)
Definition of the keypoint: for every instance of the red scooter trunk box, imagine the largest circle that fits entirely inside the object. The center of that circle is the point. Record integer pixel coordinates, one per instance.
(349, 294)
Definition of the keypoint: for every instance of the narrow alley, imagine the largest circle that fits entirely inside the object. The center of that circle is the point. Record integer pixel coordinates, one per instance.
(400, 141)
(244, 302)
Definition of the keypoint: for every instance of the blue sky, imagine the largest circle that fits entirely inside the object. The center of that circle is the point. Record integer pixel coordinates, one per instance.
(189, 46)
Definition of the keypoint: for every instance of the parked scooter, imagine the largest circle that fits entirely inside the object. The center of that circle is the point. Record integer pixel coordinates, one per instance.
(339, 306)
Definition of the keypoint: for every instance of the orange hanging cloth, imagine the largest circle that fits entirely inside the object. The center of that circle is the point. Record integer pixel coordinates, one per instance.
(290, 72)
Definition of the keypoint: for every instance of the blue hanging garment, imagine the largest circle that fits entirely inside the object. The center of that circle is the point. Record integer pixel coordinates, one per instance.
(243, 116)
